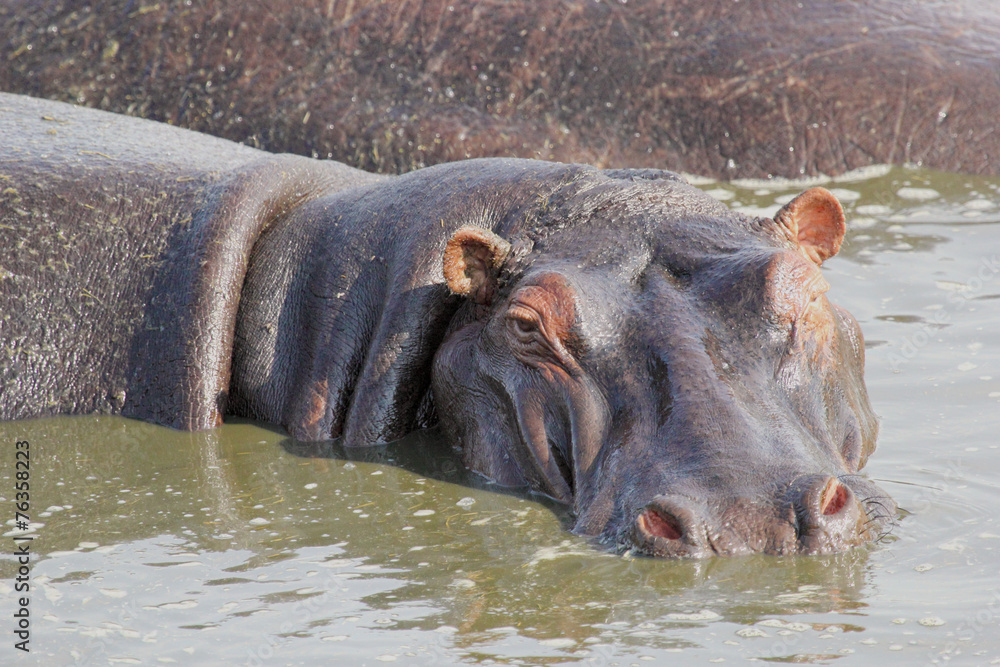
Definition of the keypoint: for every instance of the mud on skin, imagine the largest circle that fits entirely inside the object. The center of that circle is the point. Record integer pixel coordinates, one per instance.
(712, 87)
(616, 339)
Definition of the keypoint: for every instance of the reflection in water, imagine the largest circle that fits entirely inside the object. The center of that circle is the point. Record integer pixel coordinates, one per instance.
(150, 530)
(240, 546)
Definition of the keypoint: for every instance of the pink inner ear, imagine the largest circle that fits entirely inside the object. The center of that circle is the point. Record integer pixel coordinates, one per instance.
(471, 258)
(816, 220)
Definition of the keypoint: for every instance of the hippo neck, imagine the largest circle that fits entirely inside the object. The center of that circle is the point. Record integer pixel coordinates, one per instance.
(344, 303)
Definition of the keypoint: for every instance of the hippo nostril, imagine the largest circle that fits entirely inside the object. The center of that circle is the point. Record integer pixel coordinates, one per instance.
(834, 497)
(829, 516)
(657, 525)
(671, 526)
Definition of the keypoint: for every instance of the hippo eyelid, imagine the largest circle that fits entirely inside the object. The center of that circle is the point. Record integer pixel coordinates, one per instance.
(525, 321)
(530, 329)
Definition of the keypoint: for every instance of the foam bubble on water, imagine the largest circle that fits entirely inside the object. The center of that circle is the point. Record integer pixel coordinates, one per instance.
(751, 632)
(845, 195)
(784, 625)
(951, 286)
(720, 193)
(703, 615)
(955, 546)
(873, 209)
(979, 204)
(52, 594)
(862, 222)
(563, 549)
(917, 194)
(864, 173)
(558, 642)
(931, 622)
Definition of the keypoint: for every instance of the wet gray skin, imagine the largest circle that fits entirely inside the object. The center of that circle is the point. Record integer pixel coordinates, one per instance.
(683, 382)
(615, 339)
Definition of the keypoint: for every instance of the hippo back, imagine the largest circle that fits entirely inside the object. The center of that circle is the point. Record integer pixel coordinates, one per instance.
(123, 249)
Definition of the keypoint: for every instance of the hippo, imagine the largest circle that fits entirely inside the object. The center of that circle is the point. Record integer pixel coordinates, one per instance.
(711, 87)
(615, 339)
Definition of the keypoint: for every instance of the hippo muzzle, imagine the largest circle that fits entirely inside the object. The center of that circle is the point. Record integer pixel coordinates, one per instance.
(671, 370)
(817, 514)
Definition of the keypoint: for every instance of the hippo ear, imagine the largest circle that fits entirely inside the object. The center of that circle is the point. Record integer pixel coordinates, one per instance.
(815, 221)
(472, 260)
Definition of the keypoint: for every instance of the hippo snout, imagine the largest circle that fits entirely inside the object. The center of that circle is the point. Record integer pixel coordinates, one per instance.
(817, 514)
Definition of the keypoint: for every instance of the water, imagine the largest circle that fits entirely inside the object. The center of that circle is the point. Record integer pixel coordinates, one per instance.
(237, 547)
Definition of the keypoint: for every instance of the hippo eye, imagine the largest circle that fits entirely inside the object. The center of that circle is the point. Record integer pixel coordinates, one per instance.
(524, 326)
(538, 326)
(523, 323)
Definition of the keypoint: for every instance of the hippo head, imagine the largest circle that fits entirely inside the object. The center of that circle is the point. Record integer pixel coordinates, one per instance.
(669, 368)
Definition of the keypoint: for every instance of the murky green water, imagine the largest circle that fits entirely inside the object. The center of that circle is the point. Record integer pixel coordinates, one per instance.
(153, 546)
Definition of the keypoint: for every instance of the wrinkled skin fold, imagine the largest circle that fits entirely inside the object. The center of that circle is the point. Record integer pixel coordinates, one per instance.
(616, 339)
